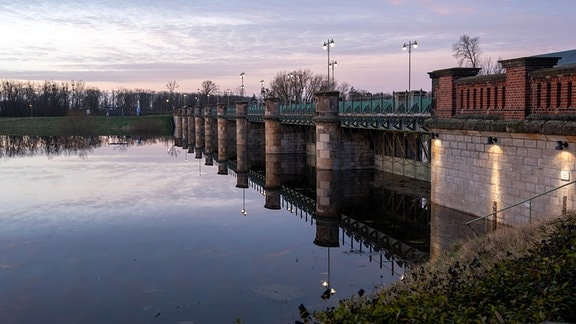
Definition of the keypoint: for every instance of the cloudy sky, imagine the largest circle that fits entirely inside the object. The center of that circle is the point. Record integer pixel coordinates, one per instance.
(145, 44)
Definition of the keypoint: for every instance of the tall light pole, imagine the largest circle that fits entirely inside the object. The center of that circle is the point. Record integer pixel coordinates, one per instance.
(408, 46)
(333, 64)
(326, 46)
(242, 86)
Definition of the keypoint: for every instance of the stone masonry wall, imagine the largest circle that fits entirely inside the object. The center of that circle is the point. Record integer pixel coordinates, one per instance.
(472, 176)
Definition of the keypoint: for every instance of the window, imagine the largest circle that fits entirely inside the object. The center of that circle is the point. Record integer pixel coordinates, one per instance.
(548, 95)
(558, 94)
(488, 97)
(569, 95)
(539, 95)
(495, 97)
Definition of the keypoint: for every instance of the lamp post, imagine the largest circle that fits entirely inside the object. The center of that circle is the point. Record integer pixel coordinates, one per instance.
(408, 46)
(242, 86)
(326, 46)
(333, 64)
(290, 88)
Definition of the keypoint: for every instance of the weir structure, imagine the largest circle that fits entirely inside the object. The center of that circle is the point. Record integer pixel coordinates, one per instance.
(498, 148)
(340, 140)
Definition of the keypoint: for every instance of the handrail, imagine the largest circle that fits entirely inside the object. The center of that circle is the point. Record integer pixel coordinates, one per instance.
(519, 203)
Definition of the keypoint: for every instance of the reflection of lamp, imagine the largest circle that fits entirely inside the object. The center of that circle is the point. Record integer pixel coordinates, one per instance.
(329, 290)
(200, 167)
(243, 211)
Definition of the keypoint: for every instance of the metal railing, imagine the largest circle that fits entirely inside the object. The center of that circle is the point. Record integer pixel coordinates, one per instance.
(529, 201)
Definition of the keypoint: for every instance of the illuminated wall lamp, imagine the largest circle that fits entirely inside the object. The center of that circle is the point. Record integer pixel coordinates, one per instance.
(433, 135)
(561, 145)
(492, 140)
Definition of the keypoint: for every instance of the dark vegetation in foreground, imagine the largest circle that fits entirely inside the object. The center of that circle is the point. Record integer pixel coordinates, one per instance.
(159, 125)
(515, 275)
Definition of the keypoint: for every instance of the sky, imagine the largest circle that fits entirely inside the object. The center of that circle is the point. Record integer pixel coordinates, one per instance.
(144, 44)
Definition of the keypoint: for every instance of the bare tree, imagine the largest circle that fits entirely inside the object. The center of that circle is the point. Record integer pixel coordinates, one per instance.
(296, 86)
(209, 87)
(467, 51)
(490, 67)
(172, 86)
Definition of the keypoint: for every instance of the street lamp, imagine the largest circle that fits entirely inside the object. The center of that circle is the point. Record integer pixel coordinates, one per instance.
(408, 46)
(242, 86)
(326, 46)
(333, 64)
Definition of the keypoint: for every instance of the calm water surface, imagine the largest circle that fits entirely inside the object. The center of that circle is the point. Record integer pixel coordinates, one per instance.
(148, 234)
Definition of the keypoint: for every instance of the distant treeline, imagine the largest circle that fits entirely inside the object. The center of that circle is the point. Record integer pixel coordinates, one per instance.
(51, 98)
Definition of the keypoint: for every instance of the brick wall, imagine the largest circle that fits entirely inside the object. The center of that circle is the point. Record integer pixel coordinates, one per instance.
(531, 85)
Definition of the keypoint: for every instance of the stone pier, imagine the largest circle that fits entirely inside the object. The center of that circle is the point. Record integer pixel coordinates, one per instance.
(328, 133)
(273, 152)
(222, 139)
(208, 135)
(191, 128)
(242, 144)
(199, 127)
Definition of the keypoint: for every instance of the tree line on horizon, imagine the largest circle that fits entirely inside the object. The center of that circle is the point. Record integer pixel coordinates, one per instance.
(52, 98)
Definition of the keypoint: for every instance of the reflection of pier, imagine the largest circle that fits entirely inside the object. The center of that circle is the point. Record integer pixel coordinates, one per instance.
(368, 231)
(277, 157)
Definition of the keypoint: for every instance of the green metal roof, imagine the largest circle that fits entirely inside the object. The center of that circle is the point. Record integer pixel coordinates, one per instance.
(567, 57)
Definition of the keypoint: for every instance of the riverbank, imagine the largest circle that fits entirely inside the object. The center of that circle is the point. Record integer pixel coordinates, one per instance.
(515, 275)
(87, 125)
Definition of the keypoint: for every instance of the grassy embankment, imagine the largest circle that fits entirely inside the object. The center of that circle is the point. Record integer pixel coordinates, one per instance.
(516, 275)
(87, 125)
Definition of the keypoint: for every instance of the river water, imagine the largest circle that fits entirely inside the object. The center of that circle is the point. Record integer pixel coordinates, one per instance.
(133, 230)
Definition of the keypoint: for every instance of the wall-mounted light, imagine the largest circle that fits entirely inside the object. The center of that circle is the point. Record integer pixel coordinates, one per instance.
(560, 145)
(433, 135)
(492, 140)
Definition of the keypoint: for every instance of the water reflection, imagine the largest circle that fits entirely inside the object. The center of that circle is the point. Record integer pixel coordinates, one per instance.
(135, 230)
(12, 146)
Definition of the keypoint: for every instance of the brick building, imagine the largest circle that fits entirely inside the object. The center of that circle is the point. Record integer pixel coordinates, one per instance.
(504, 145)
(535, 85)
